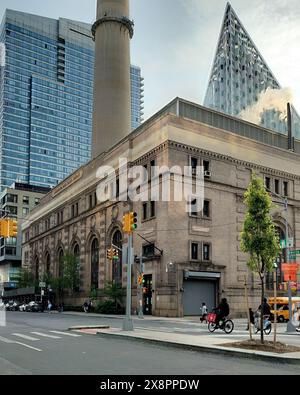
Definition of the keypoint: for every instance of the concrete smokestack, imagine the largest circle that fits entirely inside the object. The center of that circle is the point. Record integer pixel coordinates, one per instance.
(112, 98)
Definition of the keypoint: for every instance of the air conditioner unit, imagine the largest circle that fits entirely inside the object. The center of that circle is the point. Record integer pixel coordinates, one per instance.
(207, 174)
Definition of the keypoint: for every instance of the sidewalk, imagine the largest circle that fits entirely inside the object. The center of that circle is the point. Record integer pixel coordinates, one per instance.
(208, 344)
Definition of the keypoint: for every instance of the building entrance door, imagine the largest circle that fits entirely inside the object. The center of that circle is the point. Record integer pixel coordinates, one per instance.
(147, 294)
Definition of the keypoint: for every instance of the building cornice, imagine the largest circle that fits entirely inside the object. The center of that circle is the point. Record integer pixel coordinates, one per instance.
(225, 158)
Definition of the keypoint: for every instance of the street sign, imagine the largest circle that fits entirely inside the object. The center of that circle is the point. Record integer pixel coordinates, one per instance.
(42, 285)
(290, 243)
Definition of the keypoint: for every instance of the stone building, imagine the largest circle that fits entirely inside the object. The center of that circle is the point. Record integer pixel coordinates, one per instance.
(191, 257)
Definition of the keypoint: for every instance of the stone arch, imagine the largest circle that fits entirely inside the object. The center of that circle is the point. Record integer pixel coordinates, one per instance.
(94, 261)
(36, 267)
(47, 262)
(60, 251)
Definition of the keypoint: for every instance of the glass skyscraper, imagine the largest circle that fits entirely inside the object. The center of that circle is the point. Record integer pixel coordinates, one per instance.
(46, 98)
(240, 73)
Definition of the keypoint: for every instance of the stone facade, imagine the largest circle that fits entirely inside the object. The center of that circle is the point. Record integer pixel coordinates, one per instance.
(168, 139)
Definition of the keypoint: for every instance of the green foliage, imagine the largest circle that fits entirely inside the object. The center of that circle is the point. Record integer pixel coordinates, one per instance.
(106, 307)
(25, 278)
(69, 272)
(259, 237)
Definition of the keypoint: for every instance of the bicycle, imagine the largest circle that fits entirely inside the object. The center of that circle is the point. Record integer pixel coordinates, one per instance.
(267, 326)
(225, 324)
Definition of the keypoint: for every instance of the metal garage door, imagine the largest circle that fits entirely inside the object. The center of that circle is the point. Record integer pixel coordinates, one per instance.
(195, 293)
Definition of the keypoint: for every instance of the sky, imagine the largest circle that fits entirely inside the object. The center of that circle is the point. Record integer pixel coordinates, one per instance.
(175, 40)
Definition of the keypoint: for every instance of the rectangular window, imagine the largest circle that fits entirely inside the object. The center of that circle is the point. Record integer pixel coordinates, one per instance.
(37, 201)
(90, 201)
(206, 209)
(285, 188)
(206, 252)
(277, 186)
(12, 210)
(149, 250)
(193, 208)
(194, 164)
(206, 166)
(268, 182)
(152, 214)
(25, 211)
(145, 211)
(12, 198)
(194, 251)
(25, 199)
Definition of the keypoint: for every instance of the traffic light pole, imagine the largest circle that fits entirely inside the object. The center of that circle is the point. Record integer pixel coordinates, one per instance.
(128, 323)
(141, 313)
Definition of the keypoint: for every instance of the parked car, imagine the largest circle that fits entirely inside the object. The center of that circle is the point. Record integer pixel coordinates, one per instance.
(22, 307)
(34, 307)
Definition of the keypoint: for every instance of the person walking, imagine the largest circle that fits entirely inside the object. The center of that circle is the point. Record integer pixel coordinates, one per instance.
(203, 313)
(251, 315)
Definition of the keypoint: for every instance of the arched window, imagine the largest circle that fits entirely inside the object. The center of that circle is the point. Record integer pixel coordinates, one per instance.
(95, 264)
(117, 264)
(60, 261)
(47, 263)
(37, 268)
(76, 252)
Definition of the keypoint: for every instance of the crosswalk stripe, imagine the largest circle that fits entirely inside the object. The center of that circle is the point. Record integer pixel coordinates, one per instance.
(33, 339)
(65, 333)
(27, 346)
(4, 340)
(45, 335)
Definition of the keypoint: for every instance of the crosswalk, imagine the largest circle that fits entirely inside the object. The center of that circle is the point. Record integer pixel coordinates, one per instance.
(34, 337)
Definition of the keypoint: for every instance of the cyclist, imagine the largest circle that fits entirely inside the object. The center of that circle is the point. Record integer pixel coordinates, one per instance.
(222, 311)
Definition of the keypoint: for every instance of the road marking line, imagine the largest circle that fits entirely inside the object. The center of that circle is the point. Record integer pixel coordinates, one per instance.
(4, 340)
(45, 335)
(26, 345)
(65, 333)
(33, 339)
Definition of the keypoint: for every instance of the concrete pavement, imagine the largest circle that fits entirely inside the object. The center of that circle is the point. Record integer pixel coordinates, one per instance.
(213, 343)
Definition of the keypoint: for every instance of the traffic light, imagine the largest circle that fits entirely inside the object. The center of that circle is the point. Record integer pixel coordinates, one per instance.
(133, 221)
(115, 254)
(12, 228)
(126, 223)
(4, 228)
(109, 254)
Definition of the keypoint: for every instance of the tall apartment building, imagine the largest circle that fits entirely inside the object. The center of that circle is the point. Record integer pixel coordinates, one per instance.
(240, 73)
(46, 98)
(16, 202)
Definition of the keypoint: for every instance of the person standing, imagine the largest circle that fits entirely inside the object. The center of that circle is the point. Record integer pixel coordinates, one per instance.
(203, 313)
(49, 307)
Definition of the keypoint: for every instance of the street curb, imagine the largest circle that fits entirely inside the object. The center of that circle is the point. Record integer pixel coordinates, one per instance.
(73, 328)
(238, 353)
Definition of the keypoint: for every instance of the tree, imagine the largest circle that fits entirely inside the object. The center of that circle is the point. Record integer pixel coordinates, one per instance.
(113, 291)
(69, 276)
(25, 278)
(259, 237)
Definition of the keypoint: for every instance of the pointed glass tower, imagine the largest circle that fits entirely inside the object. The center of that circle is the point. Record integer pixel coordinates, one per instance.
(240, 73)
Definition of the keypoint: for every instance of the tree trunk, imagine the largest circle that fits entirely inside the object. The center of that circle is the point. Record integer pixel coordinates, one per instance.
(261, 311)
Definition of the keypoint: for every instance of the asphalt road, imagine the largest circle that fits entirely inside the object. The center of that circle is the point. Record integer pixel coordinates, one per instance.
(35, 343)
